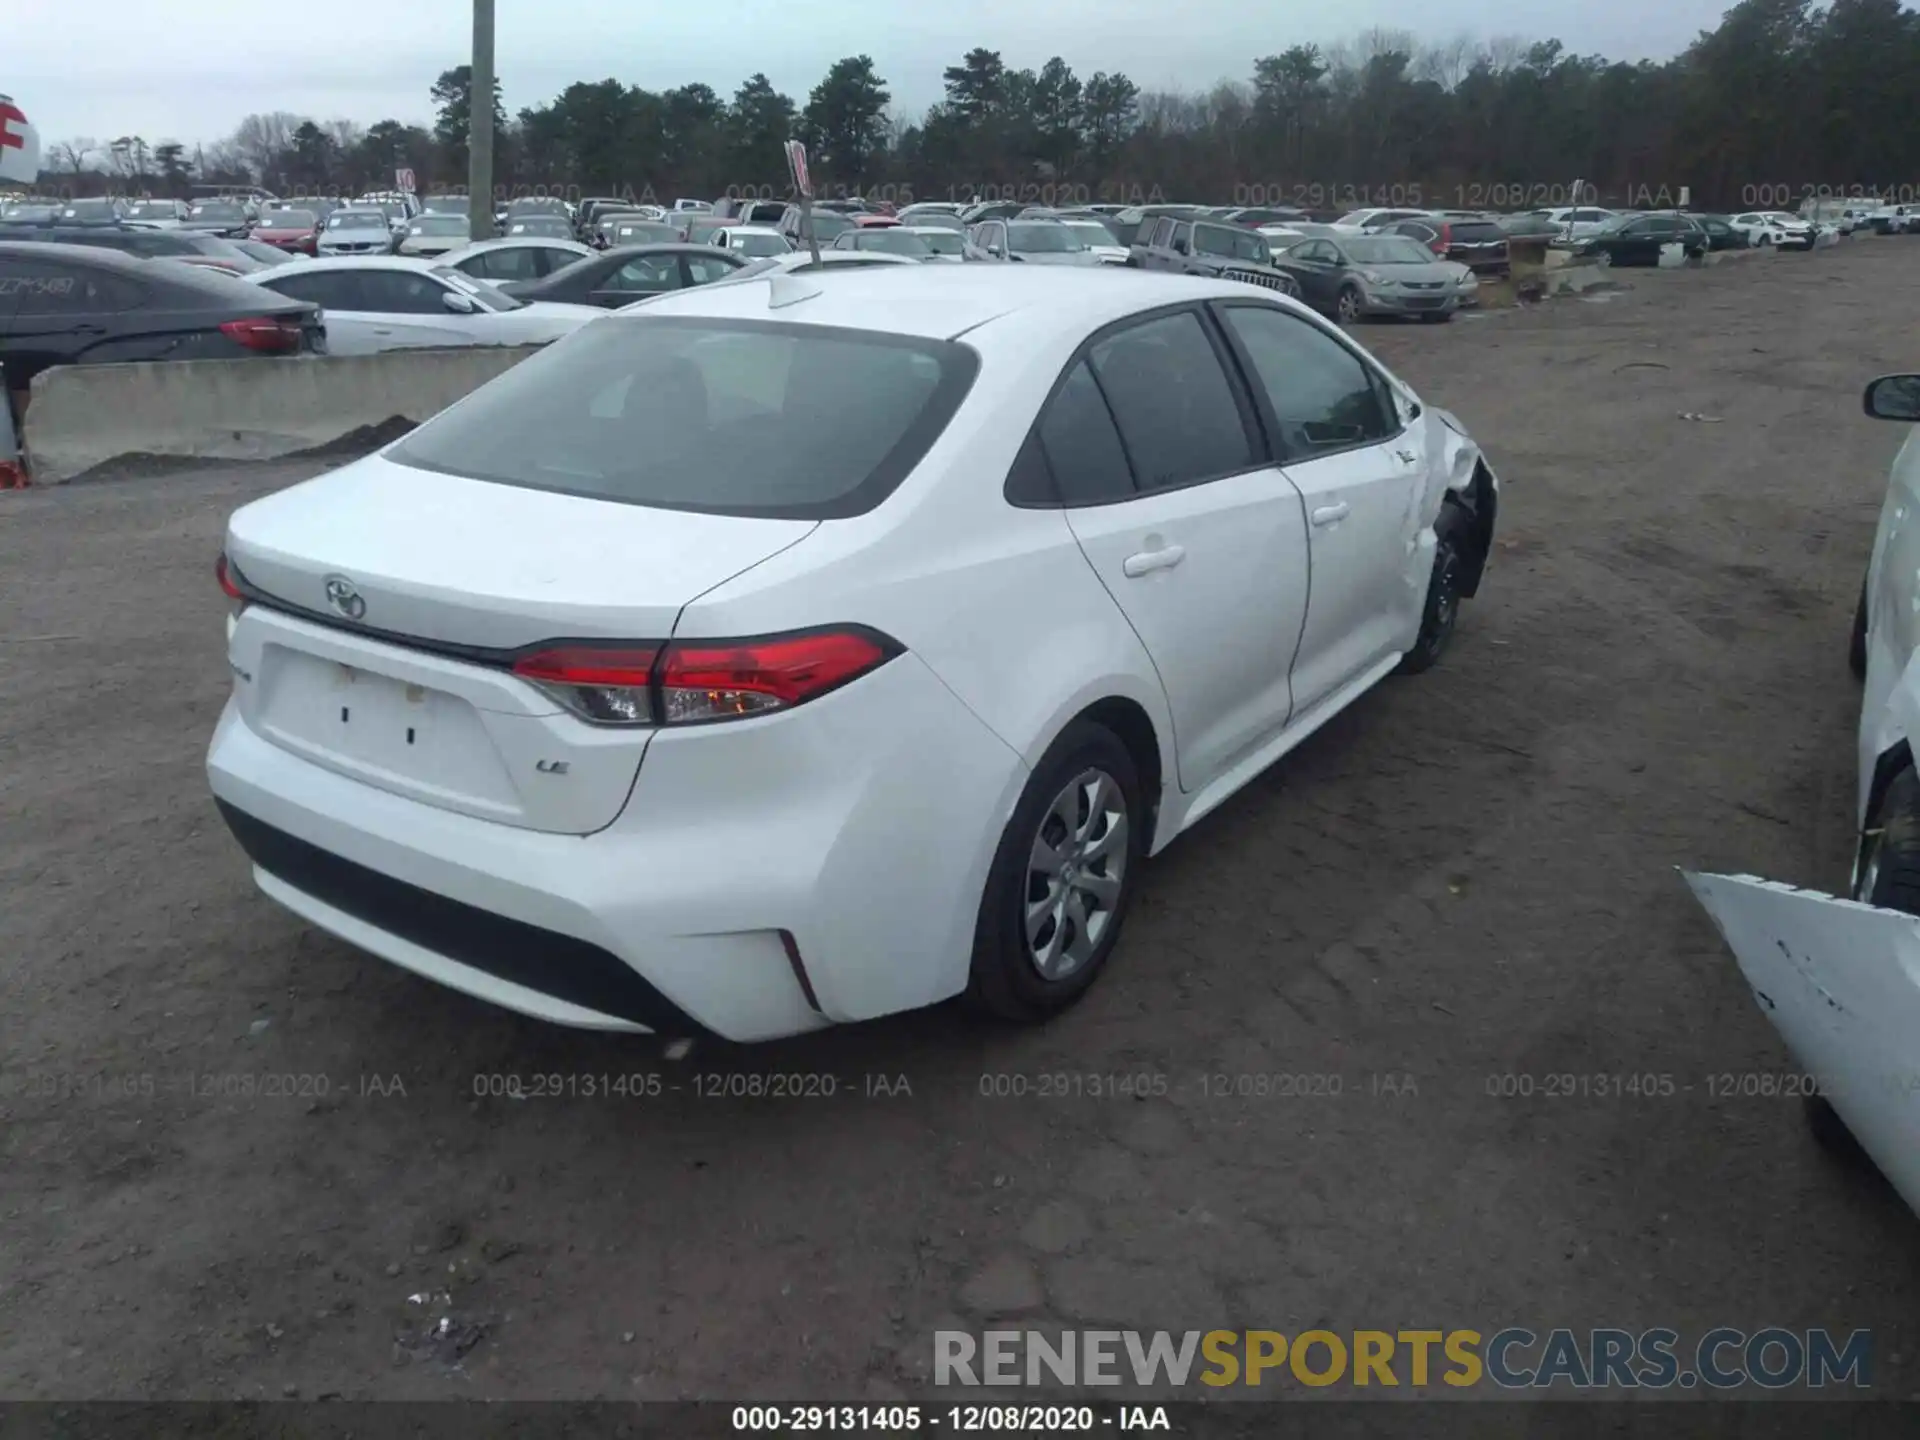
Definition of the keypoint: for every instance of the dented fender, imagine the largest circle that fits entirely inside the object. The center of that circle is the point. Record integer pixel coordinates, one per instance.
(1454, 455)
(1841, 983)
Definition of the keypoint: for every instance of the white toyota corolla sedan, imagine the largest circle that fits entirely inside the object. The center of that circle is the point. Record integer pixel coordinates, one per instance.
(802, 650)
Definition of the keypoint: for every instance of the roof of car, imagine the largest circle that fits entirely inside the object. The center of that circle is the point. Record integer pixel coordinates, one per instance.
(943, 301)
(358, 262)
(515, 242)
(103, 256)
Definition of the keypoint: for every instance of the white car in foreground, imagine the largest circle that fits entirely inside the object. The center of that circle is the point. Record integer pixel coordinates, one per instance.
(1840, 979)
(388, 302)
(782, 653)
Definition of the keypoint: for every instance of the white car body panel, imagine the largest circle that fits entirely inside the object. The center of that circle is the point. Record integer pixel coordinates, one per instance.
(1586, 229)
(738, 833)
(460, 259)
(368, 332)
(1840, 981)
(426, 247)
(1890, 699)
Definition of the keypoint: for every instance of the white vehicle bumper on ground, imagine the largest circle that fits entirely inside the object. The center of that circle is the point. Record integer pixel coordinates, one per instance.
(1841, 982)
(765, 877)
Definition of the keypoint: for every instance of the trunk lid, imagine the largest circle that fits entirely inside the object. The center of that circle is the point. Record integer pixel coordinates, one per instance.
(414, 584)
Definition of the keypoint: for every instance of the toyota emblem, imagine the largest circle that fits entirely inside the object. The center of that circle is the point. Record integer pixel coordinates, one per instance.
(344, 598)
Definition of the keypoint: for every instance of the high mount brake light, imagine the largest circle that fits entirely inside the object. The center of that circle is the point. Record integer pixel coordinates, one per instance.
(702, 681)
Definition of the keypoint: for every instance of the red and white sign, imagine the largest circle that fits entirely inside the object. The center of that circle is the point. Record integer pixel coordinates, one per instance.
(403, 181)
(19, 145)
(797, 167)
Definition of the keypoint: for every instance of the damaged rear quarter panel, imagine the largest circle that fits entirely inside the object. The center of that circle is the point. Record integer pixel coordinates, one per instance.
(1841, 983)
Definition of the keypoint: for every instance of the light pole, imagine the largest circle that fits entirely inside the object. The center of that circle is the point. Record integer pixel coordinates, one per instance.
(480, 125)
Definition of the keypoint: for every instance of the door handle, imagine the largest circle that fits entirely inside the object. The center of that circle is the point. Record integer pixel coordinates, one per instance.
(1148, 561)
(1331, 514)
(1405, 457)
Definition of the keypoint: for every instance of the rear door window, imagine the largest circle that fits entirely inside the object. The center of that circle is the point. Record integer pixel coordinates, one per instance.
(751, 418)
(329, 289)
(515, 263)
(1174, 405)
(400, 292)
(1081, 447)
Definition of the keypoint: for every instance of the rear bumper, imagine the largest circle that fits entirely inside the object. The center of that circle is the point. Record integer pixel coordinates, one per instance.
(856, 839)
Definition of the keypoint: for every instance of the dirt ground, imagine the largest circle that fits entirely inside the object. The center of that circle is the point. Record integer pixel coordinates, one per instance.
(1468, 876)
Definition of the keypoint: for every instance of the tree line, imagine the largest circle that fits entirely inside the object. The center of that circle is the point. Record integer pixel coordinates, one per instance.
(1778, 101)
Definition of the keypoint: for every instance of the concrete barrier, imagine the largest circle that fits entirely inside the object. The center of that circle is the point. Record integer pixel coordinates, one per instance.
(82, 416)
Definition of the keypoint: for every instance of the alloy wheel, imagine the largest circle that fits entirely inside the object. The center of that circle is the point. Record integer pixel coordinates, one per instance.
(1075, 871)
(1349, 306)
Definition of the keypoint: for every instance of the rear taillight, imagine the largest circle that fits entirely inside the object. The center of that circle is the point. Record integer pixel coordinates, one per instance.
(229, 578)
(271, 334)
(699, 681)
(607, 684)
(1443, 240)
(705, 680)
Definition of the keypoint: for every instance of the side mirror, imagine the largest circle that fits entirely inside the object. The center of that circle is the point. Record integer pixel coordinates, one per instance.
(996, 251)
(1893, 397)
(459, 304)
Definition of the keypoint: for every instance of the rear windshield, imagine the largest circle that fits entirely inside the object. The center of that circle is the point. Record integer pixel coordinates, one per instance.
(1474, 231)
(752, 418)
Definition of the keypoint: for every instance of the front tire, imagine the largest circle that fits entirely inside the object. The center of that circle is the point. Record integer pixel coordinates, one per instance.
(1442, 612)
(1890, 849)
(1347, 307)
(1062, 879)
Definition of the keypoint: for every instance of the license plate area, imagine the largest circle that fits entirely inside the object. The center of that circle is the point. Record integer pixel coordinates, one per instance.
(397, 734)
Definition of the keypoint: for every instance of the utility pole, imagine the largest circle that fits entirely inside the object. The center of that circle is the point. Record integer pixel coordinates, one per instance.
(480, 125)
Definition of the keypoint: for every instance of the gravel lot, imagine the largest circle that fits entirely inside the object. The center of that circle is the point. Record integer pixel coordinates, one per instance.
(1467, 876)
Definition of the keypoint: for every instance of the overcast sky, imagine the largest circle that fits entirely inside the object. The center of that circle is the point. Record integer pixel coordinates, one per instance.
(190, 69)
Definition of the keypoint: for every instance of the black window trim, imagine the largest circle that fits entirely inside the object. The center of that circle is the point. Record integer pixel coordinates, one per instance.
(1382, 387)
(1245, 402)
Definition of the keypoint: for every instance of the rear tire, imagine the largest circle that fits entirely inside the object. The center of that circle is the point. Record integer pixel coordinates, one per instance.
(1857, 643)
(1065, 918)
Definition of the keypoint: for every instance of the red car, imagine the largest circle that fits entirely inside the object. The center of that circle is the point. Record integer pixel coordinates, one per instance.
(873, 222)
(295, 230)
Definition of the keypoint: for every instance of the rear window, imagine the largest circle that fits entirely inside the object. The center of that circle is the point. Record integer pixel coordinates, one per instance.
(1476, 231)
(749, 418)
